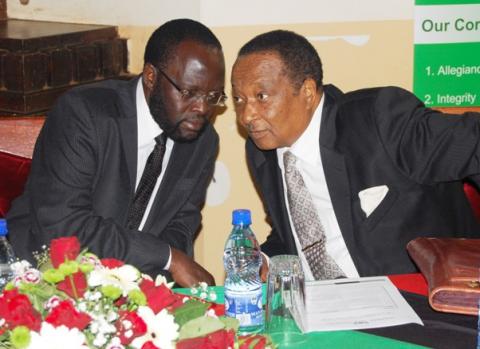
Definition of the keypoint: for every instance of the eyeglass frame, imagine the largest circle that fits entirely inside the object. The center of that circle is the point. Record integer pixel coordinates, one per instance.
(190, 95)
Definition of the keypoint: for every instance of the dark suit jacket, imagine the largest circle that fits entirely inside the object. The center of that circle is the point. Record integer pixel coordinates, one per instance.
(82, 181)
(383, 136)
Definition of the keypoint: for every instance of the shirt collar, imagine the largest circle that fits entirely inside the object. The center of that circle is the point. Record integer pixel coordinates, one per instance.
(148, 129)
(309, 140)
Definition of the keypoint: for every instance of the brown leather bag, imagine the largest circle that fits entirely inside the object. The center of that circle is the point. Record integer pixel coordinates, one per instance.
(452, 269)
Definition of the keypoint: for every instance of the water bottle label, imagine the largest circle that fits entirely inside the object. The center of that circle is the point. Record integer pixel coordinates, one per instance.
(245, 307)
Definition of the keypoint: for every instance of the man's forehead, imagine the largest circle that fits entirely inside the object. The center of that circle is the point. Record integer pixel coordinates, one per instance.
(263, 65)
(264, 56)
(193, 49)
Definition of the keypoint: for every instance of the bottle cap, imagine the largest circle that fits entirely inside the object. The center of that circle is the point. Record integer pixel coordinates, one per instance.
(241, 217)
(3, 227)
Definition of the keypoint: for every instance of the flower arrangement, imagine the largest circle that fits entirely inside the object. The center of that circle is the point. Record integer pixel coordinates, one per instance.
(75, 300)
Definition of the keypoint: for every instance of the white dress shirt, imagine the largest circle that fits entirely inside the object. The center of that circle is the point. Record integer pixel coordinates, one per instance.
(147, 130)
(309, 163)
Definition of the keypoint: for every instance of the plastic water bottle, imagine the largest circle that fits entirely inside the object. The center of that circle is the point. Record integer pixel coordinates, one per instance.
(7, 256)
(243, 287)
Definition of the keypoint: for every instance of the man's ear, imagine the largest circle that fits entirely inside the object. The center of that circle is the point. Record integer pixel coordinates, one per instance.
(149, 76)
(309, 90)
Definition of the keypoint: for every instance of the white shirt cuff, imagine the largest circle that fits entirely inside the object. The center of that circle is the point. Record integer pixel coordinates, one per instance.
(266, 258)
(167, 266)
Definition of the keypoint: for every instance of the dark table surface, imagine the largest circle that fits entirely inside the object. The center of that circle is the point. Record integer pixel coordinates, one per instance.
(440, 330)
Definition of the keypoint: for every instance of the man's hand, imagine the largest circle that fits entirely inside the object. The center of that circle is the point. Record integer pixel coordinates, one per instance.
(264, 268)
(186, 272)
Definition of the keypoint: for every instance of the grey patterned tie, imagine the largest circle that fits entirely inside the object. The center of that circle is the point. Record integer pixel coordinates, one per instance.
(308, 226)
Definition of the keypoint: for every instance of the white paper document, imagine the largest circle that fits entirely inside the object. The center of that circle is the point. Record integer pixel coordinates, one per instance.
(357, 303)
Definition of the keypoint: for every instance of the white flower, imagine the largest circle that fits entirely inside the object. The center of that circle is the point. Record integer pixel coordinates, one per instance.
(60, 337)
(146, 276)
(20, 267)
(161, 329)
(115, 344)
(23, 272)
(101, 326)
(123, 277)
(32, 276)
(52, 302)
(91, 259)
(92, 296)
(160, 279)
(99, 340)
(211, 313)
(201, 291)
(212, 296)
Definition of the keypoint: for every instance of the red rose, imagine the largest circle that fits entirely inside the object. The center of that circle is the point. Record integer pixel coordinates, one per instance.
(149, 345)
(74, 285)
(146, 284)
(64, 249)
(130, 321)
(17, 310)
(66, 314)
(111, 263)
(160, 297)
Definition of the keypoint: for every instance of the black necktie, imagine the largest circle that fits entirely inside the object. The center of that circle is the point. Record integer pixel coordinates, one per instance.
(152, 170)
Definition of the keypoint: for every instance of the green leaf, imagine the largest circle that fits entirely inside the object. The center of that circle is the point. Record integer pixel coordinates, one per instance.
(191, 309)
(5, 341)
(200, 327)
(53, 276)
(39, 293)
(230, 323)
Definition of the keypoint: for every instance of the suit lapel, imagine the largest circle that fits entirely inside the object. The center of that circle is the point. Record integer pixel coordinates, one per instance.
(127, 125)
(174, 187)
(335, 170)
(270, 180)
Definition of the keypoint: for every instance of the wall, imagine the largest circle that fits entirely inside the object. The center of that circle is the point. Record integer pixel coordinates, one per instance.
(3, 9)
(362, 44)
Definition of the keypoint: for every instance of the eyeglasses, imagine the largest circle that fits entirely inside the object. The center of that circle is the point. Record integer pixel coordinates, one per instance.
(213, 98)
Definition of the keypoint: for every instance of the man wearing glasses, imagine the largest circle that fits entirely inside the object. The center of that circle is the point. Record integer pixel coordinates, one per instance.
(124, 165)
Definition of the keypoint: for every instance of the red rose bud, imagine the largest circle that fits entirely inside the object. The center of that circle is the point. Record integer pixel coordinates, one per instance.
(130, 326)
(74, 285)
(16, 310)
(120, 301)
(64, 249)
(150, 345)
(219, 309)
(66, 314)
(111, 263)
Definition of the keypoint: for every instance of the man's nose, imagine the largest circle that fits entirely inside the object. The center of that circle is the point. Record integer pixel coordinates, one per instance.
(248, 113)
(200, 104)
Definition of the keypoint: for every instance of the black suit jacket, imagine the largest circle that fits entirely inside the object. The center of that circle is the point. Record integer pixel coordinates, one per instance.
(82, 181)
(383, 136)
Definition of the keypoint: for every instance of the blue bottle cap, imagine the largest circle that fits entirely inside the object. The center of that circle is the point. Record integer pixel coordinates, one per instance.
(3, 227)
(241, 217)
